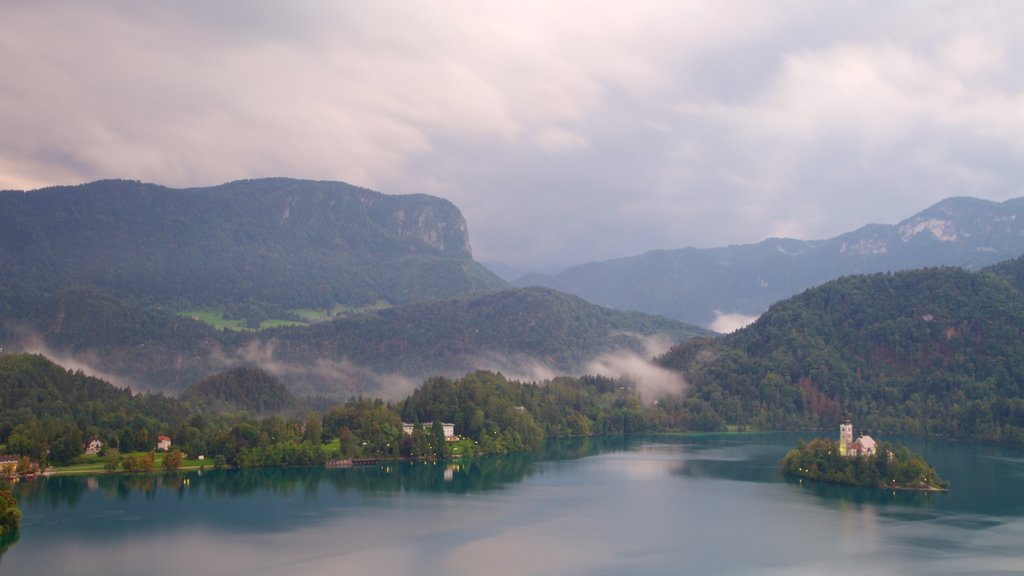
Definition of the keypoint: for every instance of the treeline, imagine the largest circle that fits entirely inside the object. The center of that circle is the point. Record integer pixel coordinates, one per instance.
(889, 467)
(48, 414)
(506, 416)
(935, 352)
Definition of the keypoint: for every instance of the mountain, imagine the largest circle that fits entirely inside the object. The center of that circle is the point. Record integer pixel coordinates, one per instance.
(290, 243)
(935, 351)
(388, 351)
(239, 390)
(510, 330)
(696, 285)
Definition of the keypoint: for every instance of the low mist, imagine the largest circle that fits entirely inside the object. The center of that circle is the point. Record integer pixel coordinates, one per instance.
(87, 362)
(649, 379)
(336, 378)
(726, 323)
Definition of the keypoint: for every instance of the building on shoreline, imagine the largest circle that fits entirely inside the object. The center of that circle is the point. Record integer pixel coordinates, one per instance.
(449, 428)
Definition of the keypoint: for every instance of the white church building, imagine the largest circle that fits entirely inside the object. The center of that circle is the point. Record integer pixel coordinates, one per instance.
(863, 446)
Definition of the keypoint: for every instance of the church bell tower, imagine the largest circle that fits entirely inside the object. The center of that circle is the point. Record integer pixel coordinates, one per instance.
(845, 436)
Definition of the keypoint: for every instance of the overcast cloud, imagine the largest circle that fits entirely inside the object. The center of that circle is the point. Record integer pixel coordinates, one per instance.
(564, 131)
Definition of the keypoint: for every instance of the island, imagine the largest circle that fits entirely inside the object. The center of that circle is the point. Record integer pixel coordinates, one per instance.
(861, 462)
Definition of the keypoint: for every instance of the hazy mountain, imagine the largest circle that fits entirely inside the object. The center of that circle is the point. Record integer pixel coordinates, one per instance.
(696, 285)
(522, 331)
(291, 243)
(528, 332)
(935, 351)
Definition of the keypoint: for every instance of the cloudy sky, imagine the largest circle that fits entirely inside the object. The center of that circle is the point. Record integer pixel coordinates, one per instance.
(565, 131)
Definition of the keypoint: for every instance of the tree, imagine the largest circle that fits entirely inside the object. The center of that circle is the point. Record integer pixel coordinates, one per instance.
(173, 459)
(314, 429)
(111, 459)
(420, 442)
(10, 515)
(440, 444)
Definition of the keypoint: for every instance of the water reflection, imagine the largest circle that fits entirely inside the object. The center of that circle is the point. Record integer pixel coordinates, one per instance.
(457, 476)
(662, 504)
(869, 496)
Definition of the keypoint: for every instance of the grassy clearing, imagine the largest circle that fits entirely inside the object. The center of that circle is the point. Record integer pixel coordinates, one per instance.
(92, 464)
(215, 319)
(218, 322)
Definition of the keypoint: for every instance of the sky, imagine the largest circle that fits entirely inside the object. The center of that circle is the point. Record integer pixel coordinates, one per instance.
(565, 131)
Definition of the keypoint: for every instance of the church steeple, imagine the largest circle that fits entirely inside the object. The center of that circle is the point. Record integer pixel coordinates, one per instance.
(845, 436)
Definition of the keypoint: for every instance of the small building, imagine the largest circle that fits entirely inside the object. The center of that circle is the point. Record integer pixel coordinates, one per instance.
(863, 446)
(163, 442)
(449, 429)
(94, 446)
(9, 465)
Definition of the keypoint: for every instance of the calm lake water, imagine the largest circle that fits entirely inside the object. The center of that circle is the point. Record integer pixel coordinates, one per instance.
(646, 505)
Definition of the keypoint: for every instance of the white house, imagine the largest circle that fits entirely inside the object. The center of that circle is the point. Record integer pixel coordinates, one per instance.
(94, 446)
(449, 429)
(163, 442)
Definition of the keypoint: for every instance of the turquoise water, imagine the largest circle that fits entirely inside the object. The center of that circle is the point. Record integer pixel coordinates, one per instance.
(658, 505)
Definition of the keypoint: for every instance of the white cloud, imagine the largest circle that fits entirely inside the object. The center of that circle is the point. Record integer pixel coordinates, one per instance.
(653, 124)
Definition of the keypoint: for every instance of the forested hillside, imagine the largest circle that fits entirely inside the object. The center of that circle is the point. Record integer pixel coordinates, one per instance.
(242, 389)
(288, 243)
(504, 330)
(936, 351)
(48, 412)
(155, 350)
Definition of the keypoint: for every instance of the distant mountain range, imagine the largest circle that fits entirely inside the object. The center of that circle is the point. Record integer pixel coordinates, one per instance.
(286, 243)
(699, 285)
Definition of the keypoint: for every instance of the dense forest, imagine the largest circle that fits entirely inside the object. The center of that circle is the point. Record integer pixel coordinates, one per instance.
(289, 243)
(242, 389)
(927, 352)
(154, 349)
(499, 329)
(49, 413)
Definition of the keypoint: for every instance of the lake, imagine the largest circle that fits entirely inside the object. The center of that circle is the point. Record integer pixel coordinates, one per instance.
(710, 504)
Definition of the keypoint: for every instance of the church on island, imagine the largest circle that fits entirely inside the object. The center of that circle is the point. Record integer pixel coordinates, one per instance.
(864, 445)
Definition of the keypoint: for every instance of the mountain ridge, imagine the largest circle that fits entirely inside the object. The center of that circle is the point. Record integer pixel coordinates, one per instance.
(288, 242)
(696, 285)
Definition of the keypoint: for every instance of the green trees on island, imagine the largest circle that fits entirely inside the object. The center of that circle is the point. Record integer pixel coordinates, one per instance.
(889, 467)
